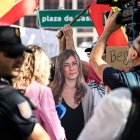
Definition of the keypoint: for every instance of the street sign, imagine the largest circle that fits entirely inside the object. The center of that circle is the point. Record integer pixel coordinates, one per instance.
(59, 18)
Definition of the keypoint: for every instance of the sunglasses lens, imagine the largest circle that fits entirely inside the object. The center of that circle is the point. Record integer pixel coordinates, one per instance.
(10, 55)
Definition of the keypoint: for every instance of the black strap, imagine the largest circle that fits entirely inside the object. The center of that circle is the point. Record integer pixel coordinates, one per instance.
(132, 128)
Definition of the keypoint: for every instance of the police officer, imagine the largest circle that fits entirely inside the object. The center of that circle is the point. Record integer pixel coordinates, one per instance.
(16, 119)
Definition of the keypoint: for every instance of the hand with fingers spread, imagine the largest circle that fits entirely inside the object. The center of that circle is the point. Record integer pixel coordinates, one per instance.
(110, 22)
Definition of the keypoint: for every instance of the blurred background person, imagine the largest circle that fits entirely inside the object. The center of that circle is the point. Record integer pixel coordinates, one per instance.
(32, 81)
(110, 117)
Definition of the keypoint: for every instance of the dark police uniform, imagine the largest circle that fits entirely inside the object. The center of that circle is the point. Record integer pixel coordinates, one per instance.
(114, 78)
(16, 118)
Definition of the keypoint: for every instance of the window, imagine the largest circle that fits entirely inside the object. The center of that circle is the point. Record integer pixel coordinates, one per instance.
(83, 3)
(68, 4)
(30, 21)
(51, 4)
(80, 40)
(85, 30)
(80, 4)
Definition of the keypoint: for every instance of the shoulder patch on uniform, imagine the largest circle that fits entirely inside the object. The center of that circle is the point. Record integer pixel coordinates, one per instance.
(25, 109)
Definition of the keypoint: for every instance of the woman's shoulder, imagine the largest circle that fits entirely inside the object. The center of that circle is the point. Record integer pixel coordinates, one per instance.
(36, 84)
(89, 93)
(38, 88)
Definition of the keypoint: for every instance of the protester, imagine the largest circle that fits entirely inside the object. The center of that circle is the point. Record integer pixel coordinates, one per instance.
(70, 90)
(110, 76)
(110, 117)
(32, 81)
(16, 119)
(98, 89)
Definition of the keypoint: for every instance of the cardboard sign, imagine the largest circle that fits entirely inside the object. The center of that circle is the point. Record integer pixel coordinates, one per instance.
(117, 57)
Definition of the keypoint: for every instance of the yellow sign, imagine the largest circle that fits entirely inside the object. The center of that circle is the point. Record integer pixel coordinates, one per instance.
(6, 6)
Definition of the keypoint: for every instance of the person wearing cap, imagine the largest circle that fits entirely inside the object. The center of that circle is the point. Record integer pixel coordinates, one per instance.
(110, 76)
(88, 51)
(17, 121)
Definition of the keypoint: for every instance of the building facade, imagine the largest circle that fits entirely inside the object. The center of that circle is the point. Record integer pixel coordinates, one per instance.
(81, 35)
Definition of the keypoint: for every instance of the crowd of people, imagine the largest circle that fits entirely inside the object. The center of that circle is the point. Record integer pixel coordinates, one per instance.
(95, 95)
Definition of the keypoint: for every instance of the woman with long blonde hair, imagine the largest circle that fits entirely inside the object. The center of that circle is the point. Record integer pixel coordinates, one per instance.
(70, 90)
(32, 81)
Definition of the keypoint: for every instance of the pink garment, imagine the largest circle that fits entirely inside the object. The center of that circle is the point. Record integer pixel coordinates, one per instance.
(45, 113)
(91, 75)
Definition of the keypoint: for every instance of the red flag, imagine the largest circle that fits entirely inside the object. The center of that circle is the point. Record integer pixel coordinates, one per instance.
(11, 10)
(118, 38)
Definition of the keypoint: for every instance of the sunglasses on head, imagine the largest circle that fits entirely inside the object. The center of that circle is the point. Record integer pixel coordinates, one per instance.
(13, 55)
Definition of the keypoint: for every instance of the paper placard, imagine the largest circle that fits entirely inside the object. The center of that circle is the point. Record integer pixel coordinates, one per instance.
(117, 57)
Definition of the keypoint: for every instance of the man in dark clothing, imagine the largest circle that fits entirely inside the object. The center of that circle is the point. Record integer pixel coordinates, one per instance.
(110, 76)
(16, 119)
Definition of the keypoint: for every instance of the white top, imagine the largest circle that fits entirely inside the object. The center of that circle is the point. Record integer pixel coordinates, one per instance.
(110, 117)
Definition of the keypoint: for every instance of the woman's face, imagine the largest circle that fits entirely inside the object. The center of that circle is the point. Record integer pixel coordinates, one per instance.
(71, 68)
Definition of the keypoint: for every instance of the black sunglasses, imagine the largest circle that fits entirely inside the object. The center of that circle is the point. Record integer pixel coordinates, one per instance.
(13, 55)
